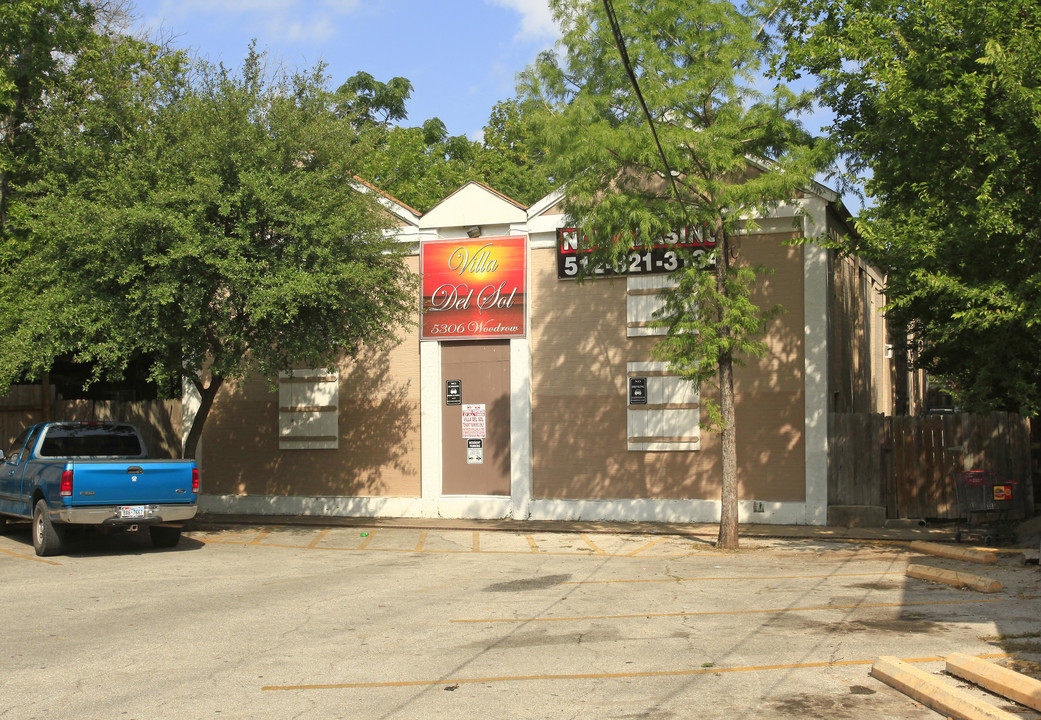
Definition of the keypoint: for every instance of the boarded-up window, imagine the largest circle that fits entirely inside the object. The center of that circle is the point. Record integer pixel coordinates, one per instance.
(642, 301)
(663, 409)
(308, 410)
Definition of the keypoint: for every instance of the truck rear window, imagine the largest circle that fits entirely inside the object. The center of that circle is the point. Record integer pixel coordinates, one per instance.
(91, 441)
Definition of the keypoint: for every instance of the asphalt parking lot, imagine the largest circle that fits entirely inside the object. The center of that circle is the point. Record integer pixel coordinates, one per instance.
(344, 622)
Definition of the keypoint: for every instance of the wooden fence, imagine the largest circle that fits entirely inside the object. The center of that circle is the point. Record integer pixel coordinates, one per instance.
(908, 464)
(158, 420)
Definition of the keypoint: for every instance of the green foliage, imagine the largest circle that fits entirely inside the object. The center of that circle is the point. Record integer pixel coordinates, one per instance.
(422, 165)
(696, 63)
(36, 41)
(940, 102)
(210, 224)
(511, 159)
(367, 102)
(87, 136)
(417, 165)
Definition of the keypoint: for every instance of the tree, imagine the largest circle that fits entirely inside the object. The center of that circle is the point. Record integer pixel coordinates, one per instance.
(36, 41)
(695, 65)
(211, 225)
(368, 103)
(939, 105)
(511, 159)
(418, 165)
(421, 165)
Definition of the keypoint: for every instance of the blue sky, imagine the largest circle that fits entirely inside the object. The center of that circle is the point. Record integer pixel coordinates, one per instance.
(462, 56)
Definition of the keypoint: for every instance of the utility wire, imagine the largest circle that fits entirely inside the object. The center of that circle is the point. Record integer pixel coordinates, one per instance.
(612, 20)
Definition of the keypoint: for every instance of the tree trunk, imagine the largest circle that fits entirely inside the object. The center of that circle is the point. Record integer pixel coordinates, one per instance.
(728, 516)
(207, 395)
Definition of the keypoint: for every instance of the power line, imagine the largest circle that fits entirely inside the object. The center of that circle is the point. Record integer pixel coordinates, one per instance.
(612, 20)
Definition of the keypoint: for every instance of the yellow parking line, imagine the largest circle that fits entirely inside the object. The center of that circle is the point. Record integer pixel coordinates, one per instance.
(318, 538)
(532, 544)
(685, 672)
(742, 577)
(422, 541)
(29, 557)
(809, 608)
(592, 544)
(477, 541)
(261, 535)
(651, 544)
(368, 538)
(223, 534)
(265, 545)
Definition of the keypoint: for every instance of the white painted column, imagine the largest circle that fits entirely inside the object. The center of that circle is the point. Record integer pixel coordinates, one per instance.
(430, 425)
(815, 289)
(520, 428)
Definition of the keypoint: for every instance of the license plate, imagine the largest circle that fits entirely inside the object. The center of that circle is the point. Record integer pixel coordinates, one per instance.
(132, 511)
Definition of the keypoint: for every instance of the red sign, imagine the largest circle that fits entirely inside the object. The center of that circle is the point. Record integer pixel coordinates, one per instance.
(474, 288)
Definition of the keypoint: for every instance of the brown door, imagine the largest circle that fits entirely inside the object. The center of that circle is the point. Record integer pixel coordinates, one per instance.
(483, 368)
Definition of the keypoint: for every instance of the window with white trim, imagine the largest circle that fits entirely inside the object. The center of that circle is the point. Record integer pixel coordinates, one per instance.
(308, 410)
(664, 409)
(642, 301)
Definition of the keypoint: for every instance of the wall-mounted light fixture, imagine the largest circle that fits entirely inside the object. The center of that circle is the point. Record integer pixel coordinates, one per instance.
(473, 231)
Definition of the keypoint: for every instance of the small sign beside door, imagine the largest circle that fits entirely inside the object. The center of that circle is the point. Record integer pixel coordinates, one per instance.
(453, 392)
(474, 421)
(475, 451)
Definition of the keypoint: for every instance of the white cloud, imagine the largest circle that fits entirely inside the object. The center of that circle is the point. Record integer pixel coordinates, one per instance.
(287, 19)
(536, 18)
(316, 29)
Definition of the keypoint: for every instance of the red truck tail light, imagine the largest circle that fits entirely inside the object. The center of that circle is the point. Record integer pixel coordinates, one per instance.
(195, 480)
(66, 483)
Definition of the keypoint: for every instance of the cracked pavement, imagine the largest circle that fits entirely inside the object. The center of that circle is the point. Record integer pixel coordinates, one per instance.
(320, 622)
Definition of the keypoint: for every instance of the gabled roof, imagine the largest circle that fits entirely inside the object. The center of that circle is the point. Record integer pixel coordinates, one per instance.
(547, 202)
(408, 215)
(474, 204)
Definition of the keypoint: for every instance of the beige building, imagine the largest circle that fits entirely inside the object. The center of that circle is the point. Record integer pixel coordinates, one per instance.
(557, 409)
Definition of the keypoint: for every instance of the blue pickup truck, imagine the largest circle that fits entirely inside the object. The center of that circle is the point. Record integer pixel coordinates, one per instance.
(64, 474)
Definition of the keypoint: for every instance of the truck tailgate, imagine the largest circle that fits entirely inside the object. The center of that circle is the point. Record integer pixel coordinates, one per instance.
(130, 482)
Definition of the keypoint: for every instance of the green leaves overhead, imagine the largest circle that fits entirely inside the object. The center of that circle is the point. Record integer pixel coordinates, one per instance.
(939, 105)
(733, 149)
(213, 225)
(724, 151)
(36, 38)
(696, 64)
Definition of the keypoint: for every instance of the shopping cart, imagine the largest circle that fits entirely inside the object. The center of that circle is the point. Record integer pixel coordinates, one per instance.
(986, 505)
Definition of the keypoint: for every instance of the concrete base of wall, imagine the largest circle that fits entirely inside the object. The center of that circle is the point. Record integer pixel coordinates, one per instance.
(856, 516)
(495, 508)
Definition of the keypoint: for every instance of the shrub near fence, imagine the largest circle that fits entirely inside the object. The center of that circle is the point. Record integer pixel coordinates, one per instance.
(907, 464)
(158, 420)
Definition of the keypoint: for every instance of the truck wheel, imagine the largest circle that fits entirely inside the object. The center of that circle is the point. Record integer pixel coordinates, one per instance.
(164, 537)
(47, 536)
